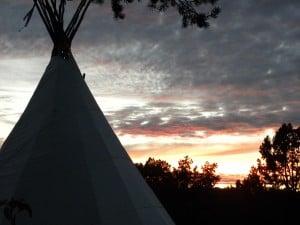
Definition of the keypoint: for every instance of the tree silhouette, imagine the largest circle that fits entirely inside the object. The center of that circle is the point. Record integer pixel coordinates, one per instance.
(252, 183)
(279, 163)
(13, 207)
(192, 12)
(159, 176)
(157, 173)
(207, 178)
(184, 173)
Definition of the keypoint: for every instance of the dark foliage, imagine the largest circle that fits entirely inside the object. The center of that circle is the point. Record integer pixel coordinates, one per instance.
(192, 12)
(279, 165)
(253, 183)
(13, 207)
(159, 175)
(193, 202)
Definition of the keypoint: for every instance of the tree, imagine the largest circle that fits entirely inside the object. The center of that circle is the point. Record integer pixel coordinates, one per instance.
(13, 207)
(252, 183)
(190, 178)
(52, 13)
(207, 178)
(157, 173)
(184, 173)
(279, 163)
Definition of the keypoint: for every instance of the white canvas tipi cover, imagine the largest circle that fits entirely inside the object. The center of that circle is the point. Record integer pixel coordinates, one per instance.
(65, 161)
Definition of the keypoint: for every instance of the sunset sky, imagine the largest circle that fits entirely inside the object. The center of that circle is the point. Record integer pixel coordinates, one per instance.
(168, 92)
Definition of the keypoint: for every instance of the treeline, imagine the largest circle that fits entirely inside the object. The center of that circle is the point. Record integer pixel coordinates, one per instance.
(159, 175)
(269, 194)
(278, 168)
(189, 196)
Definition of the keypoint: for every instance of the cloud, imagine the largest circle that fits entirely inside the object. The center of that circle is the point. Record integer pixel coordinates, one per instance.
(240, 75)
(235, 150)
(181, 119)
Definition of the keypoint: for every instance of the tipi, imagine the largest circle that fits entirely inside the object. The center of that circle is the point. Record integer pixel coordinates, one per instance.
(63, 158)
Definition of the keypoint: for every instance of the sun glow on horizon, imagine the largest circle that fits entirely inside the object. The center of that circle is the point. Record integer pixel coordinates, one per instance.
(235, 154)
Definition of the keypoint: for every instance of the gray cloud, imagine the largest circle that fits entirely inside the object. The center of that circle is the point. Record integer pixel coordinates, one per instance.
(184, 120)
(247, 63)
